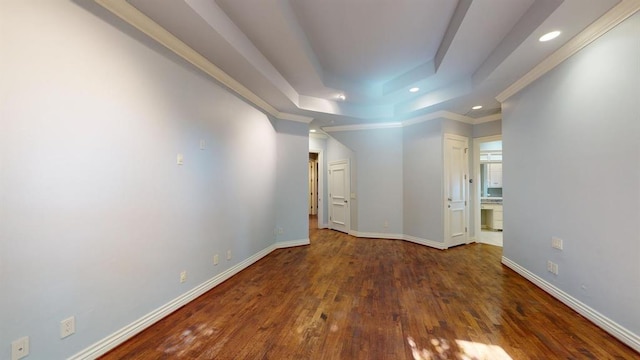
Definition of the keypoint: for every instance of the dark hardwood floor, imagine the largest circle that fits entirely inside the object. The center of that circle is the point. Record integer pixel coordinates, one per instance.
(348, 298)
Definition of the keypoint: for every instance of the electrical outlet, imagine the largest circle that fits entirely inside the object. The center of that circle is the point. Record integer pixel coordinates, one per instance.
(555, 269)
(180, 159)
(552, 267)
(20, 348)
(183, 276)
(280, 231)
(216, 259)
(386, 224)
(549, 266)
(228, 254)
(203, 144)
(67, 327)
(556, 243)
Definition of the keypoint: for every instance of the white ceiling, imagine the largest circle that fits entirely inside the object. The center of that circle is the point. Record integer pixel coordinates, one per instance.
(298, 55)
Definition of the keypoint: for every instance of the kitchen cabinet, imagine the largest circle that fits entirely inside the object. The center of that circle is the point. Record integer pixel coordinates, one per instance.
(492, 215)
(494, 175)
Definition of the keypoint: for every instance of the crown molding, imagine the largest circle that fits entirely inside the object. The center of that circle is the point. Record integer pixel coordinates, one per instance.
(488, 118)
(294, 117)
(606, 22)
(388, 125)
(137, 19)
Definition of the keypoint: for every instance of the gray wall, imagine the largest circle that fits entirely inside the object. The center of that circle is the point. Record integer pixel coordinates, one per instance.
(96, 218)
(292, 181)
(572, 145)
(423, 181)
(378, 173)
(487, 129)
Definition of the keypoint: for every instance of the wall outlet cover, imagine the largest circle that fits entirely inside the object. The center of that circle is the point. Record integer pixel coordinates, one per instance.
(67, 327)
(20, 348)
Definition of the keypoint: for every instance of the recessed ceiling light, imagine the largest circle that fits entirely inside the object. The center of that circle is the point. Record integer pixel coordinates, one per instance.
(414, 89)
(342, 97)
(549, 36)
(312, 130)
(477, 107)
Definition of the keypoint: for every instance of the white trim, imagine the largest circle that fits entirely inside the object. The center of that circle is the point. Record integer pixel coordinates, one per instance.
(443, 114)
(608, 325)
(110, 342)
(606, 22)
(292, 243)
(388, 125)
(294, 117)
(372, 235)
(426, 242)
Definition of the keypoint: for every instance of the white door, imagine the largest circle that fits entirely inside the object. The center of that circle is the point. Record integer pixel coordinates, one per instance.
(339, 195)
(456, 159)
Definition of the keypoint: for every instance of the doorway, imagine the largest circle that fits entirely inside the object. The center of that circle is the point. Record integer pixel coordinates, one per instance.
(339, 190)
(318, 199)
(456, 190)
(488, 214)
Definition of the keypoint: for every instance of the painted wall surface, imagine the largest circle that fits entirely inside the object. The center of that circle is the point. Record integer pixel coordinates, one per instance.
(96, 218)
(321, 144)
(487, 129)
(378, 177)
(292, 181)
(573, 169)
(423, 181)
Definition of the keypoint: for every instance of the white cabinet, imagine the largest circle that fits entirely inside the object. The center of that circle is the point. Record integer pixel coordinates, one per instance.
(492, 215)
(494, 175)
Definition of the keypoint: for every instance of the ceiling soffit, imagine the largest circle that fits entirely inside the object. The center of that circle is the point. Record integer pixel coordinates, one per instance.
(292, 56)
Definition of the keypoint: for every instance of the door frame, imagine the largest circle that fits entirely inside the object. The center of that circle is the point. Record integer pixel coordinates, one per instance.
(321, 205)
(477, 217)
(347, 222)
(445, 202)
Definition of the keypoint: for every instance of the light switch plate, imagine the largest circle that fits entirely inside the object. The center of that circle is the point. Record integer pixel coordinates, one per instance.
(20, 348)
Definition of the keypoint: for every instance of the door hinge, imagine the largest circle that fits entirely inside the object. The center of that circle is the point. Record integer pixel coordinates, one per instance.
(465, 229)
(465, 150)
(465, 203)
(465, 176)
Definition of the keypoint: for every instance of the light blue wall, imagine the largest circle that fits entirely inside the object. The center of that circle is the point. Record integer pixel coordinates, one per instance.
(573, 169)
(96, 218)
(487, 129)
(423, 181)
(292, 181)
(378, 174)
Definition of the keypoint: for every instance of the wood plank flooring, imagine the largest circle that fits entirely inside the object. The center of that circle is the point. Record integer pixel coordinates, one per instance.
(349, 298)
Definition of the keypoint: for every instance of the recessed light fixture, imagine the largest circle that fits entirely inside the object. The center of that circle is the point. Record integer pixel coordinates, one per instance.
(312, 130)
(477, 107)
(414, 89)
(342, 97)
(549, 36)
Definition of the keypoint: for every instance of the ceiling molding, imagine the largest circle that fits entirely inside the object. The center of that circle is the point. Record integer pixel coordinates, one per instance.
(389, 125)
(488, 118)
(140, 21)
(294, 117)
(599, 27)
(417, 120)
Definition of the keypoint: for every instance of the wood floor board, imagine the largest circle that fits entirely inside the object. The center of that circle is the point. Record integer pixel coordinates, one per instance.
(350, 298)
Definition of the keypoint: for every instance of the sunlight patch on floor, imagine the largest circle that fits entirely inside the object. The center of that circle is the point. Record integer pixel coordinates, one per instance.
(438, 349)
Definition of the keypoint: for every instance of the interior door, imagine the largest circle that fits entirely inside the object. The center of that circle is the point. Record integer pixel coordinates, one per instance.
(339, 196)
(456, 160)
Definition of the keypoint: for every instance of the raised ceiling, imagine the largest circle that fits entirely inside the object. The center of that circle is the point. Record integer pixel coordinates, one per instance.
(296, 56)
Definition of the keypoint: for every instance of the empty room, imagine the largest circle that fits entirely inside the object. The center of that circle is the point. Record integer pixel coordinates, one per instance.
(300, 179)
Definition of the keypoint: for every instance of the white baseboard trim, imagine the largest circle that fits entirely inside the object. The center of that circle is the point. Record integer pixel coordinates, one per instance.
(425, 242)
(372, 235)
(292, 243)
(110, 342)
(413, 239)
(608, 325)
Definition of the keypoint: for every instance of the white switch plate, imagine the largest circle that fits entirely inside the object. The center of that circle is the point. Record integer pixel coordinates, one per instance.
(20, 348)
(216, 259)
(556, 243)
(228, 254)
(183, 276)
(67, 327)
(180, 159)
